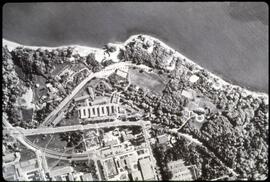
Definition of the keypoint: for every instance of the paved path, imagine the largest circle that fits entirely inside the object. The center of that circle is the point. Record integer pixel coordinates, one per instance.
(39, 131)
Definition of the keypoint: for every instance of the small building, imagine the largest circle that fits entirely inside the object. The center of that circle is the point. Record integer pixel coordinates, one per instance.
(121, 73)
(9, 173)
(193, 78)
(81, 98)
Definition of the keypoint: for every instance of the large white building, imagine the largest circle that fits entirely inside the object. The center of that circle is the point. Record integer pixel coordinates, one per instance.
(147, 169)
(98, 110)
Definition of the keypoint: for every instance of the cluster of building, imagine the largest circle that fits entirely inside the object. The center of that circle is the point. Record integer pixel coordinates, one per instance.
(28, 170)
(98, 111)
(32, 170)
(128, 162)
(68, 173)
(99, 100)
(92, 140)
(119, 158)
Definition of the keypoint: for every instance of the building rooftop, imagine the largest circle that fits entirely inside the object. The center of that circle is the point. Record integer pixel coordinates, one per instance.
(87, 177)
(110, 167)
(136, 176)
(121, 73)
(29, 165)
(61, 171)
(194, 78)
(146, 169)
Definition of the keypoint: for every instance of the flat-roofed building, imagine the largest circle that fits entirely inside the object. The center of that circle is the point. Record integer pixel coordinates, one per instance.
(136, 175)
(81, 98)
(87, 177)
(9, 173)
(61, 171)
(9, 157)
(146, 169)
(98, 110)
(121, 73)
(110, 168)
(29, 165)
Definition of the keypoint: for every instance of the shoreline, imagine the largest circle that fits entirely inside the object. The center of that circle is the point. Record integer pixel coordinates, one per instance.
(85, 50)
(218, 77)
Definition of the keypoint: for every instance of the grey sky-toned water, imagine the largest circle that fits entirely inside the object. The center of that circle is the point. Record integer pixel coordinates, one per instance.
(229, 39)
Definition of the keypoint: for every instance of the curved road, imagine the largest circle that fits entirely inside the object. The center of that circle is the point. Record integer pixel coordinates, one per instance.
(105, 72)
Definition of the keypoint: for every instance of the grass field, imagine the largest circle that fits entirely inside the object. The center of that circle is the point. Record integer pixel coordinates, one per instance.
(59, 68)
(146, 80)
(68, 122)
(27, 114)
(52, 142)
(57, 144)
(39, 141)
(26, 154)
(52, 163)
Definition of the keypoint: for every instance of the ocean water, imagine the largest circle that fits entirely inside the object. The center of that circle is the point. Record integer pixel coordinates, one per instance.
(229, 39)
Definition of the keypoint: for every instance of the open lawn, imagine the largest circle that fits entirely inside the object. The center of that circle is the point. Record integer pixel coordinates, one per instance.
(71, 121)
(146, 80)
(39, 140)
(26, 154)
(59, 68)
(41, 90)
(52, 142)
(52, 163)
(57, 144)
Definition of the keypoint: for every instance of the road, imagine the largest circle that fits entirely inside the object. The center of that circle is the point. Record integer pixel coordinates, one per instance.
(187, 136)
(105, 72)
(21, 133)
(39, 131)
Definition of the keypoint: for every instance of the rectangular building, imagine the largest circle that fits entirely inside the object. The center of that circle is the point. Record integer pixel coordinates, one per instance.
(146, 169)
(98, 110)
(110, 168)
